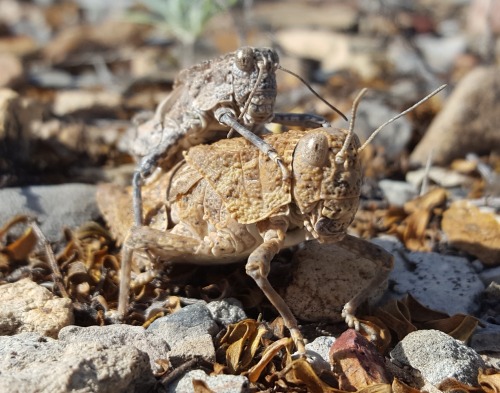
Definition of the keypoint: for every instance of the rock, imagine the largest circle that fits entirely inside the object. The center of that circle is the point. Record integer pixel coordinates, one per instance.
(52, 78)
(70, 101)
(188, 332)
(335, 51)
(226, 311)
(56, 207)
(433, 279)
(118, 335)
(325, 277)
(318, 352)
(473, 231)
(467, 123)
(357, 362)
(395, 136)
(440, 53)
(28, 307)
(487, 276)
(486, 338)
(217, 383)
(490, 303)
(441, 176)
(438, 356)
(397, 192)
(32, 363)
(12, 69)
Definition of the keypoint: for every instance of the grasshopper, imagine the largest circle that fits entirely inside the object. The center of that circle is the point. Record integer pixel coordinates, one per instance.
(234, 92)
(228, 201)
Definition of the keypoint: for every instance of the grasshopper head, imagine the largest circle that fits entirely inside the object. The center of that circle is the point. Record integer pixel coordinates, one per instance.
(325, 190)
(254, 83)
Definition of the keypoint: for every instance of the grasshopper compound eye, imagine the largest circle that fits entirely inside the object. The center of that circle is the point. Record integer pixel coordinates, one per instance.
(245, 58)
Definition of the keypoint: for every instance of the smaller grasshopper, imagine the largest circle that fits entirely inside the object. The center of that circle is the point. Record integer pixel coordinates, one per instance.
(227, 201)
(234, 92)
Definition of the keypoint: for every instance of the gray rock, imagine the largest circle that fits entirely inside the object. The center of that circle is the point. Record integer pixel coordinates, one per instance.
(32, 363)
(441, 282)
(395, 136)
(469, 112)
(487, 276)
(118, 335)
(226, 311)
(67, 205)
(28, 307)
(200, 346)
(325, 277)
(440, 53)
(442, 176)
(217, 383)
(188, 332)
(438, 356)
(318, 352)
(486, 338)
(397, 192)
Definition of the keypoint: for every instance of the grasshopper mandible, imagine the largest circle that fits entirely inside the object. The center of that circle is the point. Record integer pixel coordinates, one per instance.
(234, 92)
(228, 201)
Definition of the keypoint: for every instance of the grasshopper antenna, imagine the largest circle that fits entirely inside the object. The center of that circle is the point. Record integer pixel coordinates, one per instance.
(340, 156)
(374, 133)
(312, 91)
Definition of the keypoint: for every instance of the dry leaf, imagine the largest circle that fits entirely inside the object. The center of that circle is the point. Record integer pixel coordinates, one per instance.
(489, 380)
(270, 352)
(401, 387)
(24, 245)
(300, 372)
(453, 386)
(407, 315)
(200, 386)
(357, 362)
(411, 224)
(473, 231)
(242, 340)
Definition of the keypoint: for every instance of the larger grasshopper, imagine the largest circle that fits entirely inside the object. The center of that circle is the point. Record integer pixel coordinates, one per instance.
(228, 201)
(234, 92)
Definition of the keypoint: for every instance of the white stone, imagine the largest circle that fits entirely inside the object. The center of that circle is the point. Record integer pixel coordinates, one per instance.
(28, 307)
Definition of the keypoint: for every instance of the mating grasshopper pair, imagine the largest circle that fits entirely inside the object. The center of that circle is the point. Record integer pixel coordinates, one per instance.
(242, 198)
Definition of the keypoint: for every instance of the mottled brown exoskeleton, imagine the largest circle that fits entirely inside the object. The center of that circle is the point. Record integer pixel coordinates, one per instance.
(236, 91)
(228, 201)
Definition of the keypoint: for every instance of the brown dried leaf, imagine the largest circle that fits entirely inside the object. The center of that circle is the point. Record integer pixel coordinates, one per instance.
(396, 316)
(270, 352)
(434, 198)
(300, 372)
(401, 387)
(374, 326)
(22, 247)
(200, 386)
(473, 231)
(453, 386)
(242, 340)
(489, 380)
(407, 315)
(357, 362)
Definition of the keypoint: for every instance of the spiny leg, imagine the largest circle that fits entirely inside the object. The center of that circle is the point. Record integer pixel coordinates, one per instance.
(258, 267)
(162, 244)
(384, 261)
(226, 117)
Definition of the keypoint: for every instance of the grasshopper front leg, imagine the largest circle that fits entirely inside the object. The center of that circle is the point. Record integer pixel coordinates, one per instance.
(226, 116)
(258, 267)
(384, 261)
